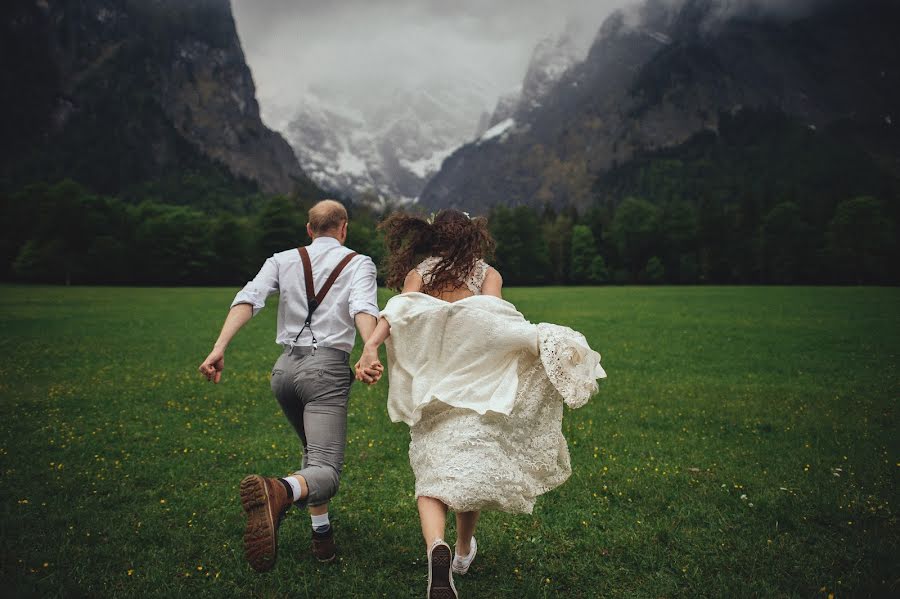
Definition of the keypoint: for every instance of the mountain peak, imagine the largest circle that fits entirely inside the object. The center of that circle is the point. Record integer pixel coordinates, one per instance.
(660, 73)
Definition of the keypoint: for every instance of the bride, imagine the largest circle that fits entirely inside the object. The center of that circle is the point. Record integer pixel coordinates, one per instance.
(480, 387)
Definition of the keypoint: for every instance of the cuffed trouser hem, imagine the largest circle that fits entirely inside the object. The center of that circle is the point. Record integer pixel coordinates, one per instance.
(321, 484)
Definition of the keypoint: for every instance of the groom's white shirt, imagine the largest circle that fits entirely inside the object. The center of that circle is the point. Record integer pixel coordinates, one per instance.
(355, 291)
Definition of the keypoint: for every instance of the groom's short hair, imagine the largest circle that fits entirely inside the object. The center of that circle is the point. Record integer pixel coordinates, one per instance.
(327, 215)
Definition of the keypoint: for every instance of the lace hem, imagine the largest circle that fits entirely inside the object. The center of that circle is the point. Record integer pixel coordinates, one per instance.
(493, 462)
(571, 365)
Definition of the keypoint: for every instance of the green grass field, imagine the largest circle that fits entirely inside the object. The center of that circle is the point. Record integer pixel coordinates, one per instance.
(744, 445)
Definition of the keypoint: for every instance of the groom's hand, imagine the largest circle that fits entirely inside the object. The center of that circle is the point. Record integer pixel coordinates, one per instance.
(213, 365)
(370, 373)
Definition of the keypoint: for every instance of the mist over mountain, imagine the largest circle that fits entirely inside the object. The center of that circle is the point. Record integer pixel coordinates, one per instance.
(662, 72)
(550, 60)
(121, 94)
(387, 149)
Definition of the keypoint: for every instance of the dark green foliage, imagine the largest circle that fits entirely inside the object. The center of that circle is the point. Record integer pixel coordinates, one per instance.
(862, 242)
(785, 240)
(281, 224)
(522, 255)
(584, 254)
(64, 234)
(654, 272)
(750, 204)
(635, 233)
(364, 237)
(599, 272)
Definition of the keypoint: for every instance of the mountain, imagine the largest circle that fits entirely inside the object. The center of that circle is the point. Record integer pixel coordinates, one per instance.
(550, 60)
(389, 149)
(664, 72)
(130, 95)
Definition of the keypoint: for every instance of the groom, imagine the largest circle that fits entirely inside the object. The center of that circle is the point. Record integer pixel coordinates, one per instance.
(325, 289)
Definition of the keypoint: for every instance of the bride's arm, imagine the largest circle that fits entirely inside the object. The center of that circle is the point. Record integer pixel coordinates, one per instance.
(369, 367)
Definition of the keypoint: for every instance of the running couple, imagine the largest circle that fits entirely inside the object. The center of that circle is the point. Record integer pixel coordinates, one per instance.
(481, 389)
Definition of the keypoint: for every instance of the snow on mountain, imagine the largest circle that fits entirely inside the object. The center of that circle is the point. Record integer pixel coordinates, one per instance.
(551, 58)
(426, 166)
(390, 149)
(497, 130)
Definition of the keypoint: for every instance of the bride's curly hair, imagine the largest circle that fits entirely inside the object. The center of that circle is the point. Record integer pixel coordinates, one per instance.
(453, 236)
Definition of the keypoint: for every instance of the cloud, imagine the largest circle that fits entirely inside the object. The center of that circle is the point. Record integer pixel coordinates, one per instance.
(360, 52)
(364, 50)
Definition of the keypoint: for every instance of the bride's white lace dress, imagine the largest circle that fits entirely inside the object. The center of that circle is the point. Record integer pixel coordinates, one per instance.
(482, 390)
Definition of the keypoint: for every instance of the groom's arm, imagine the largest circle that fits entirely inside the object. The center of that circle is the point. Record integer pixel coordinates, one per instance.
(214, 363)
(248, 301)
(365, 324)
(369, 368)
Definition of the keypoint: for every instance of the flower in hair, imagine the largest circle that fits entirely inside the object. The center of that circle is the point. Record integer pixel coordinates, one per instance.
(430, 219)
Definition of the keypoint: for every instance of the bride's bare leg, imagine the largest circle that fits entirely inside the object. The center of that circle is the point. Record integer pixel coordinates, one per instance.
(433, 514)
(465, 528)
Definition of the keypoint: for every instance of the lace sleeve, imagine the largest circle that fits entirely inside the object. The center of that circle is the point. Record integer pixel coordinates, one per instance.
(475, 280)
(571, 365)
(425, 267)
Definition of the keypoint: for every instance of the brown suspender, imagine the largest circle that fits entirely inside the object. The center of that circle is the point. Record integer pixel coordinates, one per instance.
(313, 299)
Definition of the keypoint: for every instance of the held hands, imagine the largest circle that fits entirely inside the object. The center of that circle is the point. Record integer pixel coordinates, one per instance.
(213, 365)
(369, 368)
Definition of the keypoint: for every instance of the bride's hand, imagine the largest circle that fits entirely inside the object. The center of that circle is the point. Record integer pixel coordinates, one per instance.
(370, 375)
(369, 368)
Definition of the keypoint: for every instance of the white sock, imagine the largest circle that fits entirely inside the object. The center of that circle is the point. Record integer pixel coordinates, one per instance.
(295, 486)
(320, 523)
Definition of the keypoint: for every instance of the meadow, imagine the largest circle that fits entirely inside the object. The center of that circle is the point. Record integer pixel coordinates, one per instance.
(745, 444)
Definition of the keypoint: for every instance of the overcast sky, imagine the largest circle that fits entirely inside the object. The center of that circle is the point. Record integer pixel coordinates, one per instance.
(359, 48)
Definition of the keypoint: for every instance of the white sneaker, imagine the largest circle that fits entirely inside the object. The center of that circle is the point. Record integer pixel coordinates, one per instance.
(461, 564)
(440, 575)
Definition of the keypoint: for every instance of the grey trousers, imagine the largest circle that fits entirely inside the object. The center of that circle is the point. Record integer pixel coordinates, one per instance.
(312, 388)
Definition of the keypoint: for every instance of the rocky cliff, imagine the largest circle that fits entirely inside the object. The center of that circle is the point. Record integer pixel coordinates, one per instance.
(661, 73)
(115, 93)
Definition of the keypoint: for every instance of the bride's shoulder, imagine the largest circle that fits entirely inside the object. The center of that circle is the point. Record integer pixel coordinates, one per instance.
(482, 270)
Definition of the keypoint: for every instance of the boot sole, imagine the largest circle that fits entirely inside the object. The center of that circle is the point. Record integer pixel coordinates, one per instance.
(260, 541)
(440, 579)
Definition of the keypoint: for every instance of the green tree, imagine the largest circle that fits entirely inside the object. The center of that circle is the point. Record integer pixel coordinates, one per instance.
(654, 272)
(861, 241)
(784, 244)
(281, 225)
(521, 255)
(174, 245)
(231, 244)
(364, 237)
(584, 252)
(599, 271)
(679, 226)
(557, 235)
(635, 233)
(41, 260)
(61, 226)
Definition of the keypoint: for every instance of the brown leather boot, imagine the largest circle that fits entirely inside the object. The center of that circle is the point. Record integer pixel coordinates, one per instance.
(265, 500)
(323, 546)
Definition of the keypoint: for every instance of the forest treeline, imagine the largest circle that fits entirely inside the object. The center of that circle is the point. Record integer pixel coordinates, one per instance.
(62, 233)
